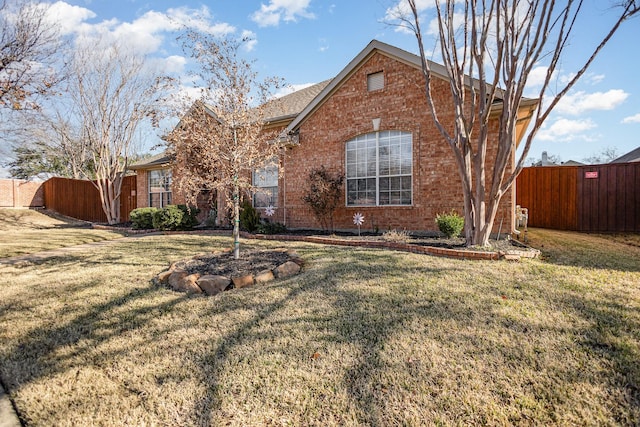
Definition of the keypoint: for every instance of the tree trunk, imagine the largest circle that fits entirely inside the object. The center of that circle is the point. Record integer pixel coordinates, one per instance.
(109, 198)
(236, 222)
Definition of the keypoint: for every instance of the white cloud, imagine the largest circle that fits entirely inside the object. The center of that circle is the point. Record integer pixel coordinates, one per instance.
(632, 119)
(175, 64)
(144, 34)
(68, 17)
(581, 102)
(537, 75)
(251, 40)
(563, 130)
(271, 14)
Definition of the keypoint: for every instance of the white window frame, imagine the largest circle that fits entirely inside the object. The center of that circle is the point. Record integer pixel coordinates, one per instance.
(263, 180)
(373, 170)
(163, 188)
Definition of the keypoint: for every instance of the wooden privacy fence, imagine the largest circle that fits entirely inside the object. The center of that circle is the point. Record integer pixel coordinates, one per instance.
(80, 199)
(594, 198)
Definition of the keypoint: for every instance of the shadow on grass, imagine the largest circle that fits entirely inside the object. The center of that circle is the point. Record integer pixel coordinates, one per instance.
(32, 359)
(613, 336)
(352, 322)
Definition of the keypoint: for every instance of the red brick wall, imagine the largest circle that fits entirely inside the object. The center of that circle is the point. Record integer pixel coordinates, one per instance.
(142, 188)
(349, 112)
(17, 193)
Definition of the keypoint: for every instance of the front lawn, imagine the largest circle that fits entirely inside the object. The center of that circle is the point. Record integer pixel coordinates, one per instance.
(26, 231)
(359, 337)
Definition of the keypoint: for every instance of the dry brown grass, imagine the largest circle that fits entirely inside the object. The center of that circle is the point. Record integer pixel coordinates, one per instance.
(25, 231)
(360, 337)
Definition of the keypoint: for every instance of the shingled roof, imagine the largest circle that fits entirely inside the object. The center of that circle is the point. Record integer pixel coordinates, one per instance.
(152, 162)
(289, 106)
(631, 156)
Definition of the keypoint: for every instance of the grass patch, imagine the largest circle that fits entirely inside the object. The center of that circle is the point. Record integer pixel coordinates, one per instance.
(25, 231)
(360, 337)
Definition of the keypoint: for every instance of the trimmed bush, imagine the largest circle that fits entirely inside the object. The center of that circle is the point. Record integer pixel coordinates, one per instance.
(175, 217)
(142, 218)
(168, 218)
(249, 217)
(189, 218)
(450, 224)
(271, 228)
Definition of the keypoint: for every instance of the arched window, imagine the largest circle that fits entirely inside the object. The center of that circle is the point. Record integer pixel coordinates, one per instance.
(379, 169)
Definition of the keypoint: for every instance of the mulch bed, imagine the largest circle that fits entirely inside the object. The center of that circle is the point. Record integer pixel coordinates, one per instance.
(252, 261)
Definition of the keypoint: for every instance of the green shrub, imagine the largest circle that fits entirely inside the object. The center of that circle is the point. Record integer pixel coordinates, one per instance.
(142, 218)
(168, 218)
(271, 228)
(450, 224)
(175, 217)
(189, 218)
(249, 218)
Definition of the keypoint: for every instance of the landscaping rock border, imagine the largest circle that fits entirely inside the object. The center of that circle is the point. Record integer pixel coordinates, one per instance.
(181, 280)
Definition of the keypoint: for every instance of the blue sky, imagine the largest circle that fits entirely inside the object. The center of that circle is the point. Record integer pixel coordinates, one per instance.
(307, 41)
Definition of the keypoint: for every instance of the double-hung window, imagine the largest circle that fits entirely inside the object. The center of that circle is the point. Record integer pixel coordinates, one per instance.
(159, 188)
(379, 169)
(266, 182)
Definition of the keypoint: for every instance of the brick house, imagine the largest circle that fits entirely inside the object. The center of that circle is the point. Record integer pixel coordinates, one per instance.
(370, 123)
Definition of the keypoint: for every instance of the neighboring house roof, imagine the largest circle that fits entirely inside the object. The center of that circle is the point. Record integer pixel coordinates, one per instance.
(289, 106)
(572, 163)
(152, 162)
(526, 106)
(631, 156)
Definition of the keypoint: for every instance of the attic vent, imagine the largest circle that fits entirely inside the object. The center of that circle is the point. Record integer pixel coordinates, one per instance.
(375, 81)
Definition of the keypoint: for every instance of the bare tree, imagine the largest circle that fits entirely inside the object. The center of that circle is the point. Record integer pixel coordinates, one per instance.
(223, 137)
(489, 49)
(47, 142)
(28, 46)
(606, 155)
(110, 93)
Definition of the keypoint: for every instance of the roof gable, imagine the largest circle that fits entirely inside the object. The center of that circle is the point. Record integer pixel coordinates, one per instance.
(373, 47)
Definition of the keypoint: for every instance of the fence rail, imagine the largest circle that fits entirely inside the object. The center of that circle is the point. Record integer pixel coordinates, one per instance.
(80, 199)
(594, 198)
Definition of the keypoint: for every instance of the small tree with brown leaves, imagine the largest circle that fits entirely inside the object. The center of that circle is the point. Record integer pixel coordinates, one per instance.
(489, 50)
(323, 195)
(222, 138)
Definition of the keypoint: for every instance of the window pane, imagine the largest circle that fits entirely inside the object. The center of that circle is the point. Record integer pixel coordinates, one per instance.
(392, 154)
(266, 197)
(266, 177)
(384, 184)
(405, 197)
(406, 183)
(155, 200)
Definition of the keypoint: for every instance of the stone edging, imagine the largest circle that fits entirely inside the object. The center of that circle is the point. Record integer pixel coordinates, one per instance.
(180, 280)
